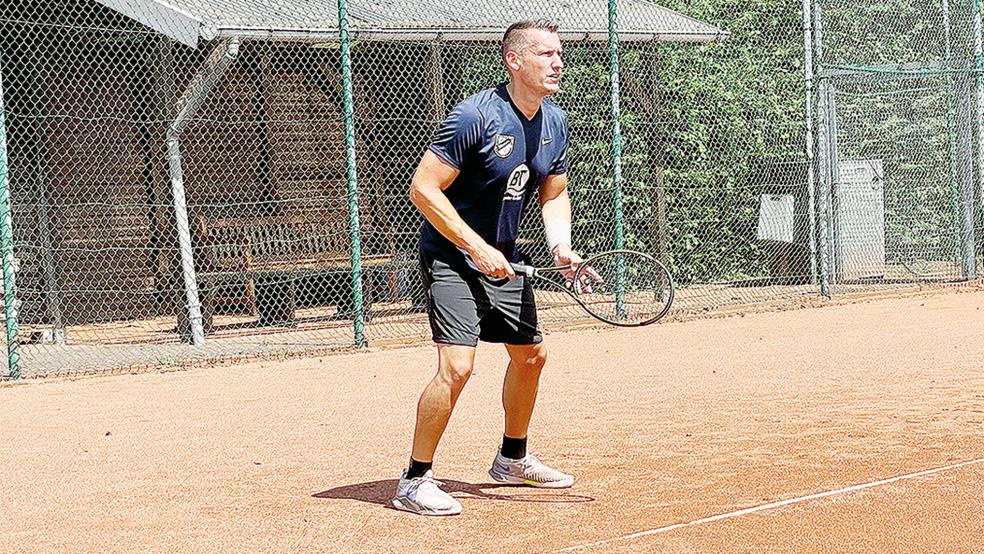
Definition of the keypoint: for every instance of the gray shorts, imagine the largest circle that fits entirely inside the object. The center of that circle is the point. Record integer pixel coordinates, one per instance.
(465, 306)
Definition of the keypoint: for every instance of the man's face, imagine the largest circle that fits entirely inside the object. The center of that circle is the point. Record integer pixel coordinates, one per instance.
(540, 65)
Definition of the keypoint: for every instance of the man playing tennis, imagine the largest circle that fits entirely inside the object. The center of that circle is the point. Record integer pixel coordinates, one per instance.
(472, 186)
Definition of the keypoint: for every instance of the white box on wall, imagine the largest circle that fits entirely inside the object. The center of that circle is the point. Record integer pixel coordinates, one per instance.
(777, 217)
(859, 219)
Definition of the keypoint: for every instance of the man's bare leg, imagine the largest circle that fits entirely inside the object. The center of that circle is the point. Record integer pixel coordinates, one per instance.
(519, 390)
(520, 386)
(417, 491)
(454, 367)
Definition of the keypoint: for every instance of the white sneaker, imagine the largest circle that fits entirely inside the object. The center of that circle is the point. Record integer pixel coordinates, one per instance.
(421, 495)
(528, 471)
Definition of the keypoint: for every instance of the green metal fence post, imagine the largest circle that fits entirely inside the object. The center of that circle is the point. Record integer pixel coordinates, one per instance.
(979, 67)
(7, 244)
(358, 321)
(825, 154)
(811, 170)
(952, 133)
(616, 157)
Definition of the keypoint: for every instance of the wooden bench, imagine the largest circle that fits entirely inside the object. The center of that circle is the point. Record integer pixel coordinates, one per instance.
(271, 265)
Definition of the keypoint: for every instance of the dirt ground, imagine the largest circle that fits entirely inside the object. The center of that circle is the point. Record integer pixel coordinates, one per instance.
(671, 424)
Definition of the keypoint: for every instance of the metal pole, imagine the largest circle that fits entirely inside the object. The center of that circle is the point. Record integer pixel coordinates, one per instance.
(811, 177)
(616, 157)
(7, 245)
(979, 66)
(953, 139)
(435, 71)
(200, 87)
(358, 322)
(965, 176)
(825, 162)
(40, 168)
(946, 29)
(834, 258)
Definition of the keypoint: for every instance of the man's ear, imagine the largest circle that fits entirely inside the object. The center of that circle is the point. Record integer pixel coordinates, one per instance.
(512, 60)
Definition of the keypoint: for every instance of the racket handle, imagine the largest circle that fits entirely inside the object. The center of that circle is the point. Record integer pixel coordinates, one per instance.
(526, 270)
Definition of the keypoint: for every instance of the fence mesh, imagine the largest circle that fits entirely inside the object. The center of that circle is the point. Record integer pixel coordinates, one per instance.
(901, 113)
(791, 155)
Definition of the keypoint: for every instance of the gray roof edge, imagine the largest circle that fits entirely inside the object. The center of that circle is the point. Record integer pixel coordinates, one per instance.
(693, 20)
(478, 34)
(186, 28)
(160, 16)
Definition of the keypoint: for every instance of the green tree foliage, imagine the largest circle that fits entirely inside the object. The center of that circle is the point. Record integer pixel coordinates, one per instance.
(723, 113)
(709, 128)
(906, 118)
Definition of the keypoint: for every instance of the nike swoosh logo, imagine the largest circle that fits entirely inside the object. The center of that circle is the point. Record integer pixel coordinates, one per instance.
(547, 140)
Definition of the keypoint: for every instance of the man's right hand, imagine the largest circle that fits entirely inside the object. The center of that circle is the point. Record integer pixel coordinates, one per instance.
(491, 262)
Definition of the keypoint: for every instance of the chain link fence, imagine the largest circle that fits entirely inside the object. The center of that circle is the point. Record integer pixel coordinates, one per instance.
(201, 180)
(898, 117)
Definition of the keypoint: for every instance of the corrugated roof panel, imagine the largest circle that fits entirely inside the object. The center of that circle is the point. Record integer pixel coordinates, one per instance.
(317, 20)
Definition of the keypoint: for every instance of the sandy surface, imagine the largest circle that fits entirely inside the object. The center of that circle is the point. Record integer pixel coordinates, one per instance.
(664, 425)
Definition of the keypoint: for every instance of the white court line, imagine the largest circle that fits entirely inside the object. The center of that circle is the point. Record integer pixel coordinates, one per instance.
(771, 505)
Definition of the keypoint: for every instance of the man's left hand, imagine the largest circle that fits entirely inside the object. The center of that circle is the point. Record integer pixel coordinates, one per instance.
(563, 254)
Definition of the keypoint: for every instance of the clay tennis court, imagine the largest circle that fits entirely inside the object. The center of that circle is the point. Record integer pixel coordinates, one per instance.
(857, 427)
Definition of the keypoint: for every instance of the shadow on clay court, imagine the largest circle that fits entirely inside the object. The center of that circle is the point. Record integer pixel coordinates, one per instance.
(381, 492)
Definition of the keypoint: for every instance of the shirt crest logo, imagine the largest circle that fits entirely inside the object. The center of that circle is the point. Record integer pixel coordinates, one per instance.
(504, 145)
(516, 185)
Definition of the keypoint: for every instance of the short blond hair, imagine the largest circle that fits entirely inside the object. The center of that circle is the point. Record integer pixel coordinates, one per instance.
(516, 38)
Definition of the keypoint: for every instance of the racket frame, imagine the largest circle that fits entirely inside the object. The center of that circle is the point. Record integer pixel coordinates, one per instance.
(538, 272)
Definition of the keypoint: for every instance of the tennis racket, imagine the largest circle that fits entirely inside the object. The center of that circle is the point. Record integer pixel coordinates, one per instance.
(619, 287)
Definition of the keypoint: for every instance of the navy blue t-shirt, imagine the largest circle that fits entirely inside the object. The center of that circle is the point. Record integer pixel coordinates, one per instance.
(501, 155)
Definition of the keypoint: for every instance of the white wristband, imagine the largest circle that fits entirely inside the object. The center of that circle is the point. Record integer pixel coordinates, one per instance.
(557, 232)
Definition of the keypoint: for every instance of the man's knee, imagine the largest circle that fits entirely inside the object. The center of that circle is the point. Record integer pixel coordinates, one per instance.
(530, 358)
(456, 365)
(457, 374)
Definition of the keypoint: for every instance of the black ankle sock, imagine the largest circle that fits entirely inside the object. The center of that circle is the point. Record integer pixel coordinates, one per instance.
(513, 448)
(418, 469)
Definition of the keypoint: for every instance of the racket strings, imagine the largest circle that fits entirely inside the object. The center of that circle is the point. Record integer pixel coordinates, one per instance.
(624, 288)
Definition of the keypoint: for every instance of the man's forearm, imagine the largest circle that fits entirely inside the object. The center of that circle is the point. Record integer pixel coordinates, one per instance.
(437, 209)
(557, 220)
